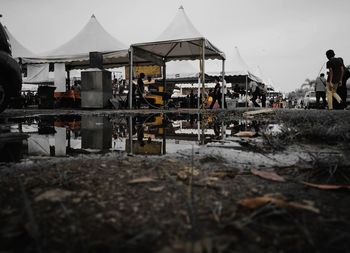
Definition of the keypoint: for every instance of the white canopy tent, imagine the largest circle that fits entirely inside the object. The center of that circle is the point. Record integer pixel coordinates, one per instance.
(18, 50)
(239, 69)
(75, 53)
(240, 72)
(179, 41)
(258, 72)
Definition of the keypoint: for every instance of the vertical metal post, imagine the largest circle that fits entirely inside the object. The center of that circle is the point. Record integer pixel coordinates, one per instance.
(203, 88)
(130, 151)
(164, 82)
(223, 127)
(131, 56)
(199, 89)
(164, 133)
(223, 85)
(246, 91)
(203, 70)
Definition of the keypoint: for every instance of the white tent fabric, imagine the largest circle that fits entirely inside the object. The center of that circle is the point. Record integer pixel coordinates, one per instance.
(180, 28)
(239, 68)
(181, 69)
(60, 77)
(269, 83)
(92, 38)
(37, 73)
(18, 50)
(179, 41)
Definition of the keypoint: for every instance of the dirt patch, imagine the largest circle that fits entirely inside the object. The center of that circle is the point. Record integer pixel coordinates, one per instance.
(186, 202)
(138, 204)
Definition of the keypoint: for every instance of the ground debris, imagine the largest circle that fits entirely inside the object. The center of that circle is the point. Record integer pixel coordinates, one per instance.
(141, 180)
(270, 175)
(327, 186)
(278, 200)
(54, 195)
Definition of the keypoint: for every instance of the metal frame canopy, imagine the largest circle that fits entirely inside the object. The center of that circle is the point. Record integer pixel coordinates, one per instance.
(179, 41)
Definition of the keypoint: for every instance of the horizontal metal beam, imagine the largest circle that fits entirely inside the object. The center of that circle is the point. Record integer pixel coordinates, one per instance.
(148, 56)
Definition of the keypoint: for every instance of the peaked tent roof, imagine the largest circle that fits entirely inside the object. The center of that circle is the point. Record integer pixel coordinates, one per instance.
(239, 70)
(93, 37)
(180, 27)
(179, 41)
(18, 50)
(240, 67)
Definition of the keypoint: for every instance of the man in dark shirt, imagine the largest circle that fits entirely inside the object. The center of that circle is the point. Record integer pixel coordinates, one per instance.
(141, 89)
(335, 76)
(216, 94)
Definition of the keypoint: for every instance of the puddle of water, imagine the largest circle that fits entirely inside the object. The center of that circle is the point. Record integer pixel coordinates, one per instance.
(154, 134)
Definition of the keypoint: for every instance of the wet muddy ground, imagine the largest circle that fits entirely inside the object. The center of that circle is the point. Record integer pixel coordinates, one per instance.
(273, 182)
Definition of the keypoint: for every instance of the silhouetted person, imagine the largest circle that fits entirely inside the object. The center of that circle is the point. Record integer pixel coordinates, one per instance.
(216, 94)
(335, 76)
(263, 93)
(192, 100)
(141, 89)
(320, 89)
(255, 92)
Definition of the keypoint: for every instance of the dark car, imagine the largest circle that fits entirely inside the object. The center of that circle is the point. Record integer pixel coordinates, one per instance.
(10, 72)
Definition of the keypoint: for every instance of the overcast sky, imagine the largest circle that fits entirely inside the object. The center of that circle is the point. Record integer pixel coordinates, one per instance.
(286, 39)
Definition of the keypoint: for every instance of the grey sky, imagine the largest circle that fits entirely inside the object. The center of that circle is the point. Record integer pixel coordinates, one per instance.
(286, 39)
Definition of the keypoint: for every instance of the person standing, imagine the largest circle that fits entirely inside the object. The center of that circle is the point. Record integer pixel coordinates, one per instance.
(320, 89)
(342, 89)
(216, 94)
(263, 94)
(141, 89)
(255, 92)
(334, 78)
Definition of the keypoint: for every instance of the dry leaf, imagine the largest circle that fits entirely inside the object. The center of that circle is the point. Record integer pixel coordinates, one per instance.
(54, 195)
(271, 175)
(245, 134)
(209, 179)
(279, 201)
(141, 180)
(327, 186)
(156, 189)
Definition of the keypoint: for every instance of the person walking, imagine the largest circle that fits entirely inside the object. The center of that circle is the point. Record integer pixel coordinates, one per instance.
(320, 89)
(255, 92)
(342, 89)
(141, 89)
(334, 77)
(216, 95)
(263, 94)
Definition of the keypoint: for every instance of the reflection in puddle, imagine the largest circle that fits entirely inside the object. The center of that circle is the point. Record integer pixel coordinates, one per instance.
(154, 134)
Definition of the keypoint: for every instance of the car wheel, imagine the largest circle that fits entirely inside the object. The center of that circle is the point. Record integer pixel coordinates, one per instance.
(3, 98)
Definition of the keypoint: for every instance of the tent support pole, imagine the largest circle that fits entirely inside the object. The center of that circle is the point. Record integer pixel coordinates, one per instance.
(131, 55)
(223, 85)
(223, 128)
(246, 91)
(203, 71)
(203, 85)
(199, 88)
(164, 82)
(130, 135)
